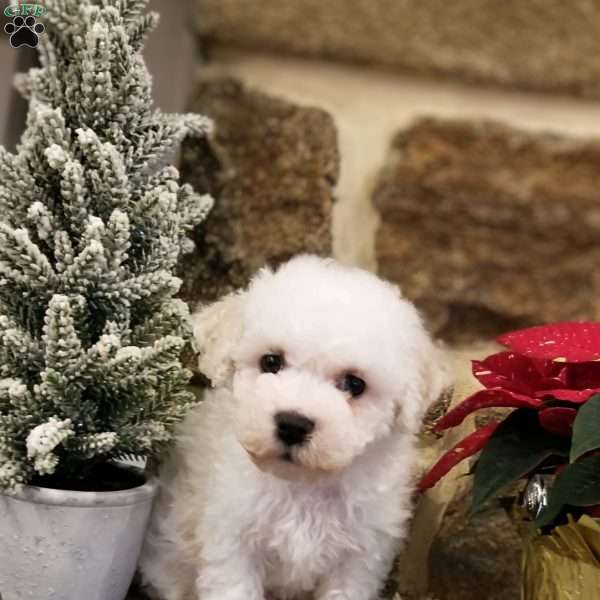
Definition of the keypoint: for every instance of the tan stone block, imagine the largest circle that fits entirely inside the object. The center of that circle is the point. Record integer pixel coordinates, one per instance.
(276, 165)
(489, 228)
(538, 44)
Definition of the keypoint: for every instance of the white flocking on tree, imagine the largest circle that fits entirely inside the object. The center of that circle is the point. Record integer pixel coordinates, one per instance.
(92, 223)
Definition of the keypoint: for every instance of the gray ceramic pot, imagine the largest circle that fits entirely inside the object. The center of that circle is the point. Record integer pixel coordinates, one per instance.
(63, 545)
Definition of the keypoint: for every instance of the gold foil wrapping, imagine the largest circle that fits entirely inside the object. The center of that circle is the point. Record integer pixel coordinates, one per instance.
(561, 565)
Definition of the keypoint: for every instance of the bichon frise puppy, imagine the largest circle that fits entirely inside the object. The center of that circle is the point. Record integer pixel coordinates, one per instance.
(293, 479)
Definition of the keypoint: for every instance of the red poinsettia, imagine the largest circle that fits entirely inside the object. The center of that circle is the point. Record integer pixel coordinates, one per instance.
(547, 373)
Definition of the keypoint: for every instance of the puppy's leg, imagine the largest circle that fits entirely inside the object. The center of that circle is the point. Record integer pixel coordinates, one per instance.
(234, 577)
(359, 577)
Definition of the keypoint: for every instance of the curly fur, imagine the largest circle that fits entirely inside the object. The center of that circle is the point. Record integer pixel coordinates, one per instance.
(234, 520)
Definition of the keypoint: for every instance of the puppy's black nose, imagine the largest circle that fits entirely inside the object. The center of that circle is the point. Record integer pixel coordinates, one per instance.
(293, 428)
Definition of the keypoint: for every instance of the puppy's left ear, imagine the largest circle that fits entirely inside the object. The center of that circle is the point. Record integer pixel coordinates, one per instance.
(434, 377)
(438, 377)
(217, 328)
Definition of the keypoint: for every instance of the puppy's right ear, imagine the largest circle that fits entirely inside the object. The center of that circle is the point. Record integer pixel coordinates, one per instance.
(217, 328)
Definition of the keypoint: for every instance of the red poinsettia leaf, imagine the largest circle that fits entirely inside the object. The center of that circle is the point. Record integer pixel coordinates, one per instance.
(496, 398)
(507, 370)
(558, 419)
(470, 445)
(582, 376)
(575, 396)
(561, 342)
(518, 373)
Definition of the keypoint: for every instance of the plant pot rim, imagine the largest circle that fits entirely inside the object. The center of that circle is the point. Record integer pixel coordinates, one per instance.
(54, 497)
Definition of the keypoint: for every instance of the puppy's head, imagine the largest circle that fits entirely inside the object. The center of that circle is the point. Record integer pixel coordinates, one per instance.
(323, 360)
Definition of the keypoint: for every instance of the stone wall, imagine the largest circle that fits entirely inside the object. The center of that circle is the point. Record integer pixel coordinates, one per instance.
(480, 202)
(535, 44)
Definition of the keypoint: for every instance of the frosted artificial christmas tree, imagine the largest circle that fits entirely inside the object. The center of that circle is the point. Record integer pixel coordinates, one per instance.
(92, 223)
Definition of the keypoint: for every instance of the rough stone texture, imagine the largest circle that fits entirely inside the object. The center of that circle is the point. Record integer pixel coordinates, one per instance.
(488, 228)
(475, 557)
(542, 44)
(271, 167)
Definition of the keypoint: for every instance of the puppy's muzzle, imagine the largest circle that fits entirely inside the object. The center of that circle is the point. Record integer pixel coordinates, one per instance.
(292, 428)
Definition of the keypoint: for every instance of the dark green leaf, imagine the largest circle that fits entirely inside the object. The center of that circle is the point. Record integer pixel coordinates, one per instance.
(517, 447)
(578, 484)
(586, 429)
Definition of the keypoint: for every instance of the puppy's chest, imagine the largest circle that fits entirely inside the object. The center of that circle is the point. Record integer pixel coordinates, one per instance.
(304, 538)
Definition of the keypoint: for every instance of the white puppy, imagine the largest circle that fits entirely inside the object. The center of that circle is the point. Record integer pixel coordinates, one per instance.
(293, 479)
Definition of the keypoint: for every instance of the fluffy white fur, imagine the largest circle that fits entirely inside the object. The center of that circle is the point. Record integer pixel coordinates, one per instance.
(234, 520)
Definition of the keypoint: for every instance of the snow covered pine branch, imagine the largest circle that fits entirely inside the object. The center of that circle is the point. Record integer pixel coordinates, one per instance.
(92, 223)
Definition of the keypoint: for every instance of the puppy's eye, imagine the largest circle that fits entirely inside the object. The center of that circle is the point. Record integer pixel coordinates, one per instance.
(271, 363)
(352, 384)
